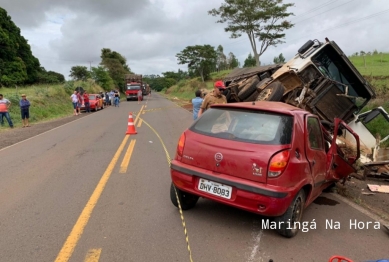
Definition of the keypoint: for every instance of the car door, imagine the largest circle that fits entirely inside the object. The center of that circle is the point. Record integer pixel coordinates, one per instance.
(315, 150)
(343, 153)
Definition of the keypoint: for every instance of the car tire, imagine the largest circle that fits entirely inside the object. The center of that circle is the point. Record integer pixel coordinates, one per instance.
(294, 213)
(248, 87)
(187, 200)
(95, 109)
(273, 92)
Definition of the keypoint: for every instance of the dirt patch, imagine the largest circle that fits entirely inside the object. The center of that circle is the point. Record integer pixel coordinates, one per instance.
(357, 191)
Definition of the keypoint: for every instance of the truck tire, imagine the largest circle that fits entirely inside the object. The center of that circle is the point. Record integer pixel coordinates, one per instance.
(273, 92)
(227, 94)
(252, 97)
(293, 214)
(248, 88)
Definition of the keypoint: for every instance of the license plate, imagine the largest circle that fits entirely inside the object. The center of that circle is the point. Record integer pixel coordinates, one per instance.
(215, 188)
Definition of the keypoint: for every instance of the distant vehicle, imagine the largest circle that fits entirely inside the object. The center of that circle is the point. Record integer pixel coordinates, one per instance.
(133, 85)
(95, 101)
(269, 158)
(146, 89)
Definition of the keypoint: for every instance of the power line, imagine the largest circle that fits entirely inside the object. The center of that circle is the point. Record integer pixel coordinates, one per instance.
(346, 23)
(314, 9)
(323, 12)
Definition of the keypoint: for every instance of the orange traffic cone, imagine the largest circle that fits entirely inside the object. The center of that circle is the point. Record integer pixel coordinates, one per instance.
(131, 127)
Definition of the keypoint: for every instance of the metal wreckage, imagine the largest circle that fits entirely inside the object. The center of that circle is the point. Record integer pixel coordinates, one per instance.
(322, 80)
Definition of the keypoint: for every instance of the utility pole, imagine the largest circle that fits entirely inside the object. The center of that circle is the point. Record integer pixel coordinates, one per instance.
(90, 66)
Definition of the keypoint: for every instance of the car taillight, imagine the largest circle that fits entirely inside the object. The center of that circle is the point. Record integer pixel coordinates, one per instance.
(181, 144)
(278, 163)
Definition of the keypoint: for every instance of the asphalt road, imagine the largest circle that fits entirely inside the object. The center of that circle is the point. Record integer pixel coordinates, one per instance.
(86, 192)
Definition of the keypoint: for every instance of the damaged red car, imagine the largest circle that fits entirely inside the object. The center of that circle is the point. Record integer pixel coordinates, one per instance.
(269, 158)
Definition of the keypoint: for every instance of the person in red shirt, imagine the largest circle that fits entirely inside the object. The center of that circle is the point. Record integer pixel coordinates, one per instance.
(86, 102)
(79, 104)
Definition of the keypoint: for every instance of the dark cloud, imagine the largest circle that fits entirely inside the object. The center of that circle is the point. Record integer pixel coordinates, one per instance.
(149, 33)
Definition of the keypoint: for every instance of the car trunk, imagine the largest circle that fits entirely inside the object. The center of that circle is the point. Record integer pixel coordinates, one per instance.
(239, 159)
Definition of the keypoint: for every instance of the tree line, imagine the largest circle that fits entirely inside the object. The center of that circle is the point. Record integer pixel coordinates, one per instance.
(263, 21)
(18, 66)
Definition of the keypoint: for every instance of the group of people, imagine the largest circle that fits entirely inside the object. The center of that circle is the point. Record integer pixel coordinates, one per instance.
(200, 104)
(78, 99)
(24, 110)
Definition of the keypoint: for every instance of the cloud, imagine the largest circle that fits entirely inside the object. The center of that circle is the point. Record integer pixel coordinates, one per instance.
(149, 33)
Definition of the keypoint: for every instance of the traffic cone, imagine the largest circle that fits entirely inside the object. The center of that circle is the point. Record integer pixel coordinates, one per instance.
(131, 127)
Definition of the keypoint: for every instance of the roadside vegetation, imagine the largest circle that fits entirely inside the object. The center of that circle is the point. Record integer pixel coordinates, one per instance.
(48, 102)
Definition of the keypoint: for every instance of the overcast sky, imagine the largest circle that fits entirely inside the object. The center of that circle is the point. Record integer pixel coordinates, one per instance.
(149, 33)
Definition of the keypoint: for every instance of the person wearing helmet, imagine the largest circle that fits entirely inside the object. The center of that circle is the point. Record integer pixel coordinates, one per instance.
(215, 97)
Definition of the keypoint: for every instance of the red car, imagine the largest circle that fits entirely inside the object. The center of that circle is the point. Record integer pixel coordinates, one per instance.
(95, 101)
(269, 158)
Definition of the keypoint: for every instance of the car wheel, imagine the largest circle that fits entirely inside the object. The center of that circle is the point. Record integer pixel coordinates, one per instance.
(187, 200)
(288, 222)
(249, 87)
(95, 109)
(273, 92)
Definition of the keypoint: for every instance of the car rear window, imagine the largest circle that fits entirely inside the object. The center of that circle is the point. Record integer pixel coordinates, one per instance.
(254, 126)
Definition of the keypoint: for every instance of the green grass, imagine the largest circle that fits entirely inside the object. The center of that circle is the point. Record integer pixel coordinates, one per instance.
(47, 101)
(376, 65)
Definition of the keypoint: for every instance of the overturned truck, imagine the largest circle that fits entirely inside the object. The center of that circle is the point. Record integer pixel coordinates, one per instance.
(322, 80)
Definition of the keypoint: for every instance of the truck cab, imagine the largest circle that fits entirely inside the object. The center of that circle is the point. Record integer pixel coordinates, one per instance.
(133, 85)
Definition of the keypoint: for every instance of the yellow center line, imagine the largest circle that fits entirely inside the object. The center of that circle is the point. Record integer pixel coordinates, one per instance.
(127, 157)
(76, 233)
(137, 116)
(93, 255)
(140, 122)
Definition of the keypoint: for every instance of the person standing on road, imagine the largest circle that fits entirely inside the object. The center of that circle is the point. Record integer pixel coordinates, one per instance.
(215, 97)
(196, 102)
(79, 102)
(4, 105)
(116, 98)
(74, 99)
(139, 94)
(25, 110)
(86, 102)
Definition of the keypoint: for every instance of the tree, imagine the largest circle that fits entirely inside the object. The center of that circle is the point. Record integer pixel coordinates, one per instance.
(249, 61)
(17, 64)
(177, 76)
(279, 59)
(101, 76)
(200, 59)
(79, 73)
(232, 60)
(259, 19)
(116, 65)
(221, 60)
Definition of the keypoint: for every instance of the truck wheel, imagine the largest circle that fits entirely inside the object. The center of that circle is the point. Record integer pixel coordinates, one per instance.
(293, 214)
(227, 94)
(187, 200)
(252, 97)
(248, 87)
(273, 92)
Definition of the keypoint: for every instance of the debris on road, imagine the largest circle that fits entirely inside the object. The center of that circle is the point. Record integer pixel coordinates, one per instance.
(378, 188)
